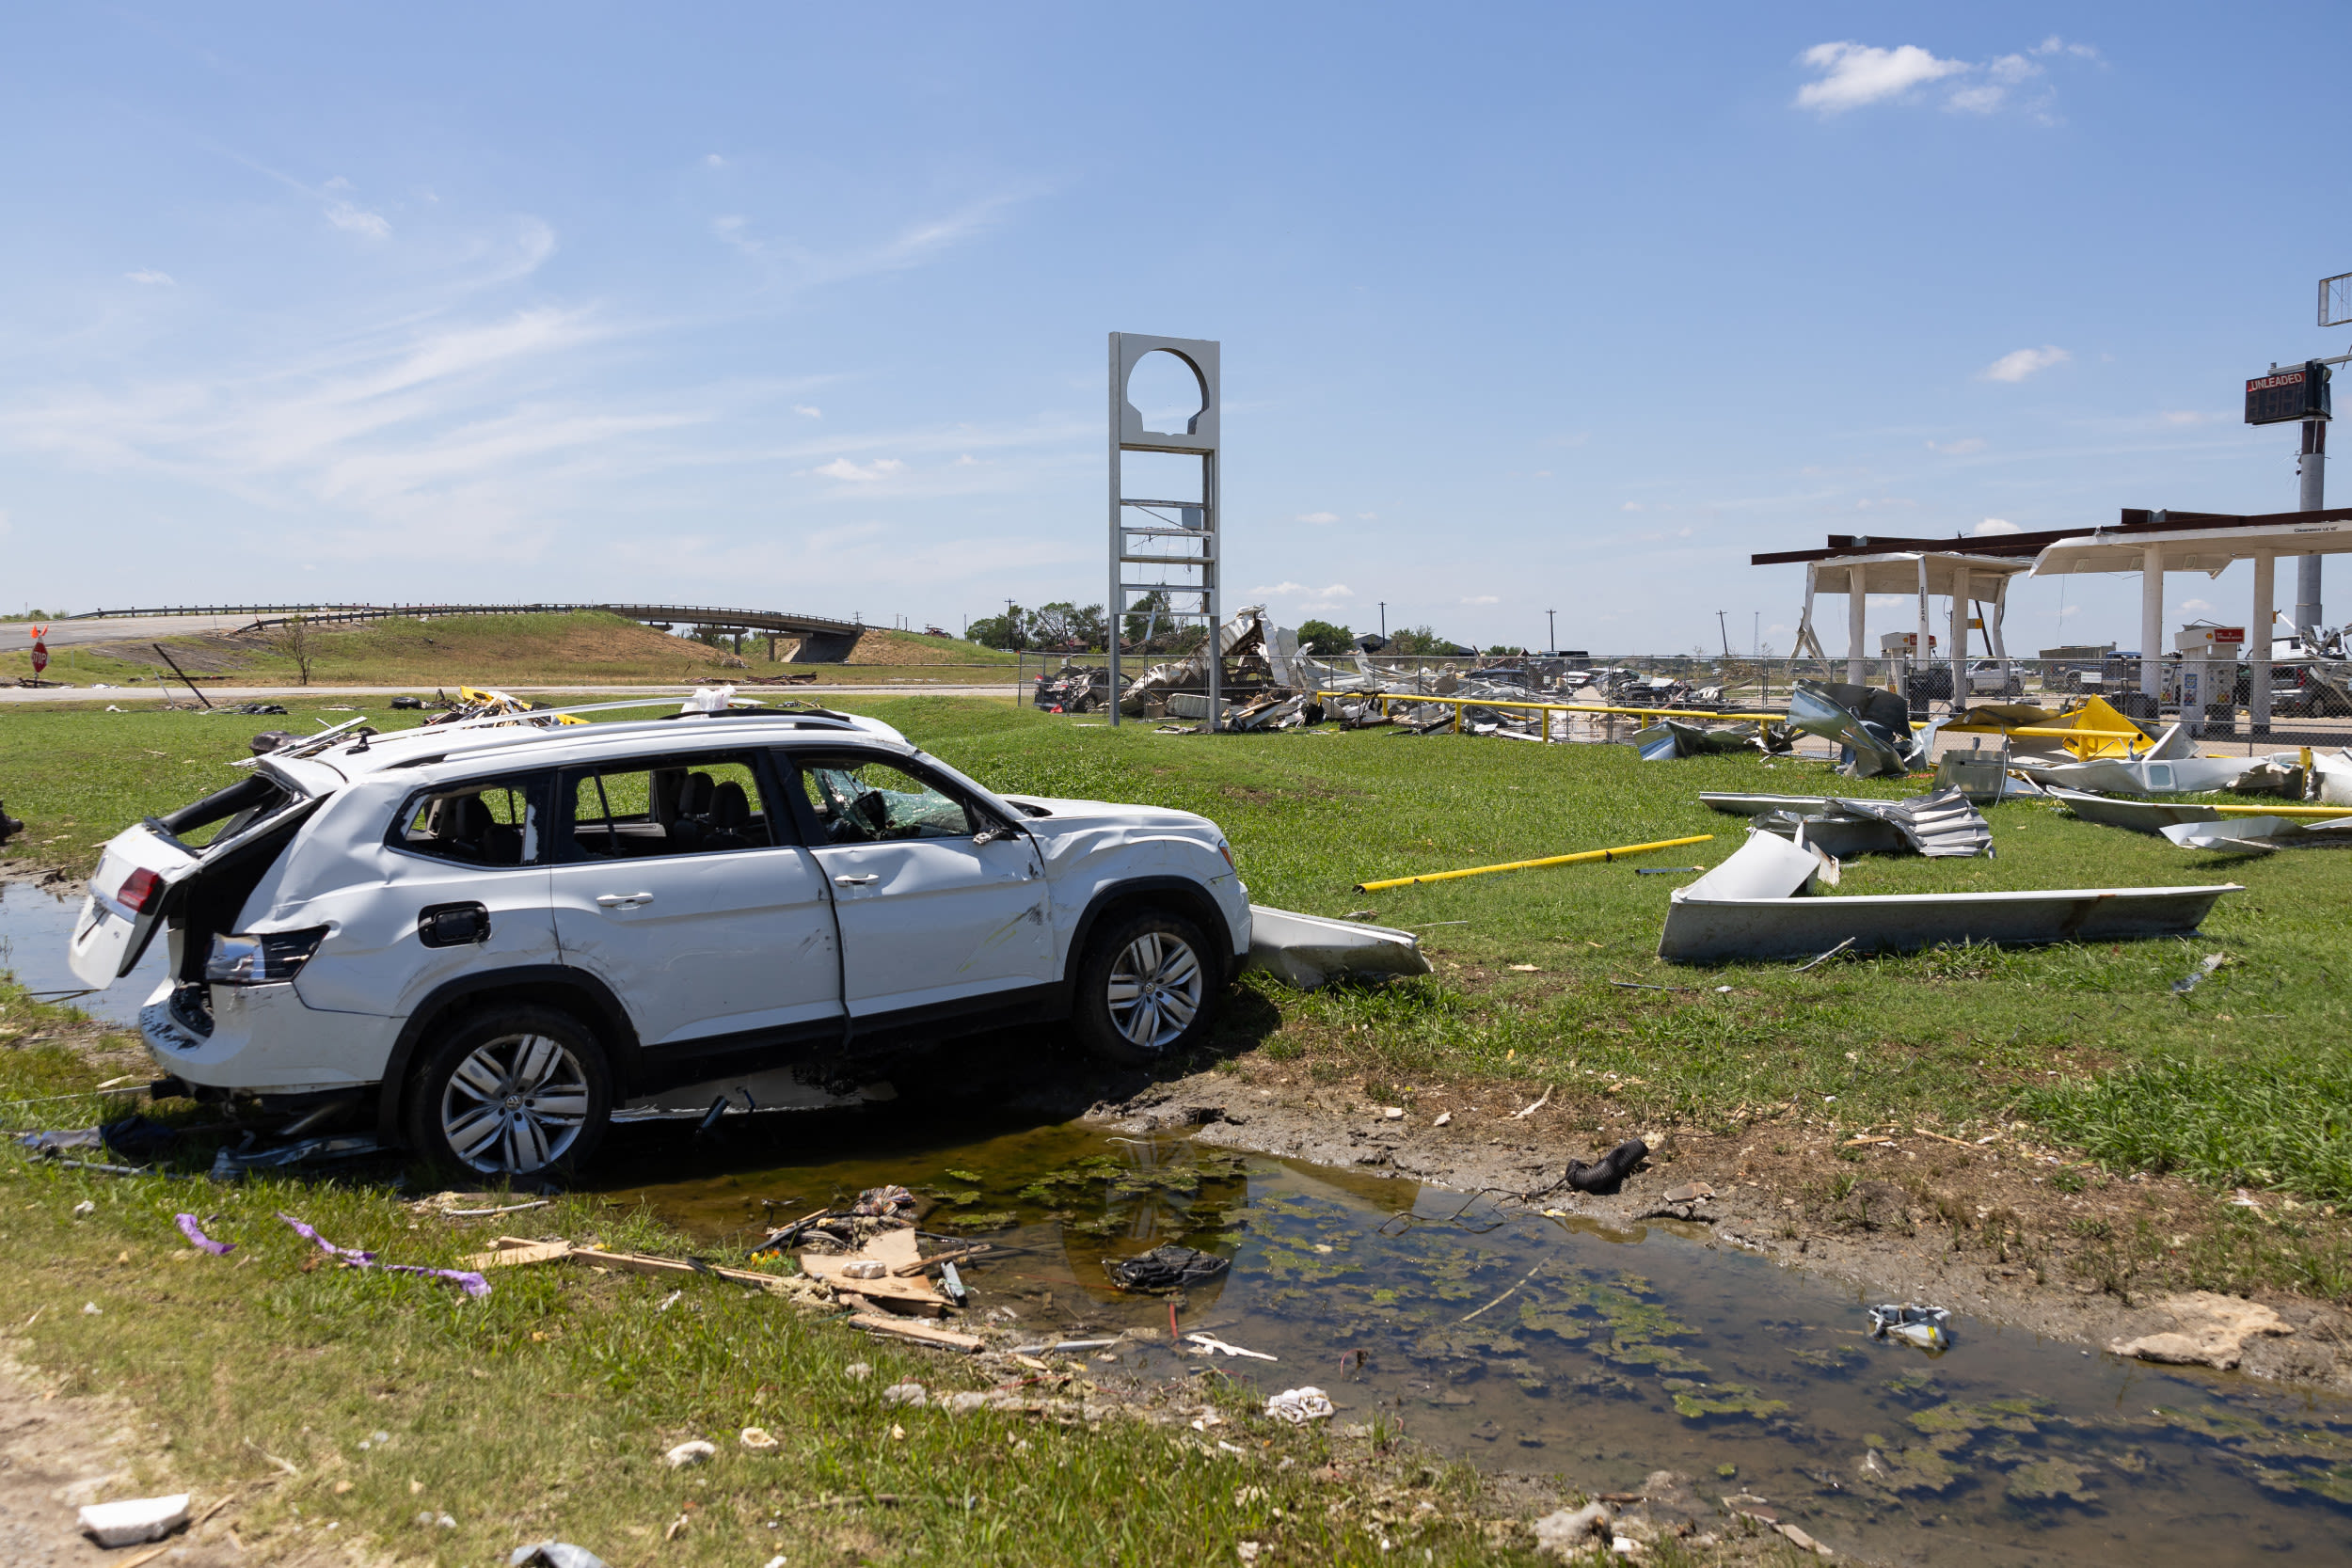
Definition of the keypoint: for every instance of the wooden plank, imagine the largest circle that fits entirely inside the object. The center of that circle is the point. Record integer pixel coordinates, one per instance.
(513, 1251)
(892, 1249)
(645, 1262)
(908, 1328)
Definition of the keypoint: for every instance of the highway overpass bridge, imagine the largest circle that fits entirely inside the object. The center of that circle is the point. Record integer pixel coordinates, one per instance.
(820, 638)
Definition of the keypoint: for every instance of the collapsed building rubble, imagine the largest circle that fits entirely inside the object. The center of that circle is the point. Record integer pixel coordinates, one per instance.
(1268, 681)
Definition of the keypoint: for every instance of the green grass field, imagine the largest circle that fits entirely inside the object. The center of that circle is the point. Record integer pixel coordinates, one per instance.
(546, 1407)
(501, 650)
(2241, 1081)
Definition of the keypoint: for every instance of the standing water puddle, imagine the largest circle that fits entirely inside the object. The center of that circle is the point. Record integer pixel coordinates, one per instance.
(1525, 1343)
(37, 925)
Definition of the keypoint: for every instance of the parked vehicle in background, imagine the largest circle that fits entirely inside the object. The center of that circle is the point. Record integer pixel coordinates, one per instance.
(1994, 677)
(482, 939)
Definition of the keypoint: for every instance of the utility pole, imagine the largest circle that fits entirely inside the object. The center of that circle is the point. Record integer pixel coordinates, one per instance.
(1725, 630)
(1384, 619)
(1552, 631)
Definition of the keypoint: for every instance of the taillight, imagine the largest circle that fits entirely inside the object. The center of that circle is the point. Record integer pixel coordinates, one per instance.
(264, 959)
(138, 890)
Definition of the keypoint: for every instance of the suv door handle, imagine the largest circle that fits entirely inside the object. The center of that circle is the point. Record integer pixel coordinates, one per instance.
(622, 900)
(866, 880)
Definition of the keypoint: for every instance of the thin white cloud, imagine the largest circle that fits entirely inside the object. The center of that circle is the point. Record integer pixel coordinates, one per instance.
(349, 217)
(1316, 517)
(800, 265)
(151, 277)
(355, 220)
(1482, 598)
(2021, 363)
(1993, 524)
(1853, 74)
(853, 473)
(1303, 591)
(1962, 448)
(1367, 516)
(712, 160)
(809, 411)
(2195, 607)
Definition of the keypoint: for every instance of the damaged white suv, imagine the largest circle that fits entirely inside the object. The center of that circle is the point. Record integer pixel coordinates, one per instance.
(483, 938)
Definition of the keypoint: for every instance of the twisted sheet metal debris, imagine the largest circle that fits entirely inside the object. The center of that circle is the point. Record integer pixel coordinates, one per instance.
(1748, 907)
(1942, 825)
(1871, 726)
(1308, 951)
(2261, 836)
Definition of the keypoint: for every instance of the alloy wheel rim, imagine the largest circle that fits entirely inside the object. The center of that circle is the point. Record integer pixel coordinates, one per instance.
(515, 1104)
(1155, 989)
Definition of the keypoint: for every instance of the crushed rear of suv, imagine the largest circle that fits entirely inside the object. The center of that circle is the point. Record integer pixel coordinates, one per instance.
(484, 940)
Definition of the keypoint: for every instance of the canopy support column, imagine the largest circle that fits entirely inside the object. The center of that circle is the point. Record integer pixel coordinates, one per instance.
(2152, 622)
(1959, 639)
(1857, 618)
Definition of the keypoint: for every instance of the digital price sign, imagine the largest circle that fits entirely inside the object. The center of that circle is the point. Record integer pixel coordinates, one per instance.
(2284, 396)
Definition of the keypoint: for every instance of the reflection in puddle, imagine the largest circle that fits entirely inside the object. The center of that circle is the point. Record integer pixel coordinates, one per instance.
(35, 926)
(1553, 1345)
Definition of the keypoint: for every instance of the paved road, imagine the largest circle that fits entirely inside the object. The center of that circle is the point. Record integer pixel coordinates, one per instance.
(144, 629)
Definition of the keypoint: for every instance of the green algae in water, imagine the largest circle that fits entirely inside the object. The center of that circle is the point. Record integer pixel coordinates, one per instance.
(1911, 1469)
(1832, 1361)
(1697, 1402)
(1666, 1359)
(1956, 1416)
(1914, 1385)
(994, 1219)
(2049, 1480)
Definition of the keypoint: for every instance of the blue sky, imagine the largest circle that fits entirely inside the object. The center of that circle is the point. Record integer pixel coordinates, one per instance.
(1523, 308)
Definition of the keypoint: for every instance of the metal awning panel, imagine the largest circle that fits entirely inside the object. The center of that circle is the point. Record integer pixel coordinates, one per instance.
(1702, 930)
(2205, 550)
(1898, 572)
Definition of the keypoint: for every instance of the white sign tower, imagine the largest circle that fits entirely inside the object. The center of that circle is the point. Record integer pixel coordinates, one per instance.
(1165, 552)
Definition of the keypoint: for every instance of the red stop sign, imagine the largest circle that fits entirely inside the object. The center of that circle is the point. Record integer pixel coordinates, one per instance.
(40, 656)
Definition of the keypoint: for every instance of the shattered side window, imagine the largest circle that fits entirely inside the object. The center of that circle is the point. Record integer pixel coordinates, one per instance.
(690, 807)
(858, 801)
(474, 824)
(229, 812)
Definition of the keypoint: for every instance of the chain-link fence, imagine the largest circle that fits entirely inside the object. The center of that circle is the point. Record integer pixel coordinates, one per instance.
(2310, 701)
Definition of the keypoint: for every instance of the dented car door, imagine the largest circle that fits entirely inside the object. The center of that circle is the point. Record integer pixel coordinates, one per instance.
(678, 887)
(937, 902)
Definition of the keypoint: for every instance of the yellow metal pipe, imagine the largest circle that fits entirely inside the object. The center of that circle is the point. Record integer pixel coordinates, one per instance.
(1524, 865)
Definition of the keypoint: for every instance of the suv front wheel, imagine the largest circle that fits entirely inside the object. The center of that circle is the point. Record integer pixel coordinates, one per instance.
(1144, 989)
(514, 1092)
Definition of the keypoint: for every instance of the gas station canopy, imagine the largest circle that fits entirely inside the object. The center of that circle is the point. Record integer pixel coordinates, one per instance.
(2196, 549)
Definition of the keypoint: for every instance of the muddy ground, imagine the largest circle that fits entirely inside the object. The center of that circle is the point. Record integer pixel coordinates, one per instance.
(1987, 1229)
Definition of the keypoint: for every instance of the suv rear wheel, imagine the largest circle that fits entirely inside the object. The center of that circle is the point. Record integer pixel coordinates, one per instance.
(1144, 989)
(517, 1092)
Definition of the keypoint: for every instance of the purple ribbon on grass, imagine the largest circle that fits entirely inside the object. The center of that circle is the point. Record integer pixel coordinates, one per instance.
(472, 1284)
(188, 1229)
